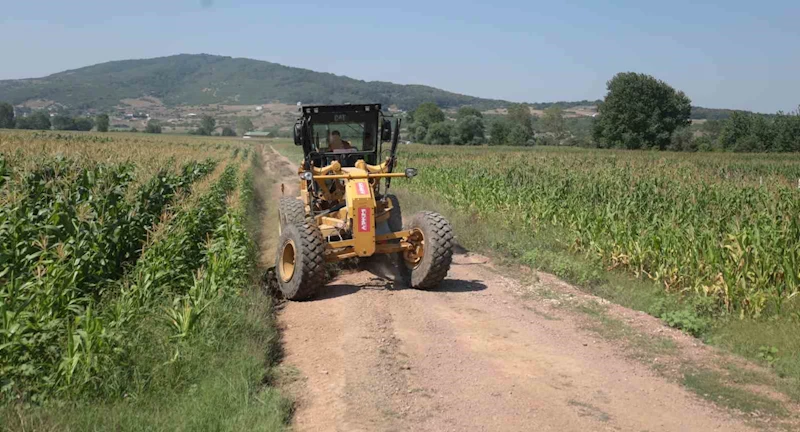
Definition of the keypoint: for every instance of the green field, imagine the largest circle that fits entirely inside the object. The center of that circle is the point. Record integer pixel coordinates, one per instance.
(128, 284)
(722, 227)
(128, 279)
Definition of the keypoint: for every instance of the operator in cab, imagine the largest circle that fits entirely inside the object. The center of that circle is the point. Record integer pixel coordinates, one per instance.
(337, 143)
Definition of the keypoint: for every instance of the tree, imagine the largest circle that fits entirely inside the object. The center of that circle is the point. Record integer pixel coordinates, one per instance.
(683, 140)
(227, 131)
(519, 135)
(521, 125)
(498, 132)
(102, 122)
(552, 121)
(83, 124)
(747, 132)
(23, 123)
(468, 111)
(62, 122)
(38, 120)
(6, 116)
(153, 127)
(244, 125)
(427, 114)
(420, 133)
(787, 131)
(439, 133)
(207, 125)
(469, 130)
(712, 128)
(640, 111)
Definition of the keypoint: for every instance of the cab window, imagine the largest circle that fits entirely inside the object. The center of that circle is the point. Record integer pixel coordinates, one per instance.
(357, 135)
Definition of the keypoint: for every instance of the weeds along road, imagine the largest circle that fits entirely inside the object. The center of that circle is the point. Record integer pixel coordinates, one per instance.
(480, 353)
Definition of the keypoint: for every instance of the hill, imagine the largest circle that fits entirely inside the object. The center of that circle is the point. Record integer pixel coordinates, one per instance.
(201, 79)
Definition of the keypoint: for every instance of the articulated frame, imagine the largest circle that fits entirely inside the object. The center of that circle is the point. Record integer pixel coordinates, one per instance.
(344, 205)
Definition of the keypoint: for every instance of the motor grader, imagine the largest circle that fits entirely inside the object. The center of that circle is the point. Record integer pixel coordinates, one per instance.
(344, 210)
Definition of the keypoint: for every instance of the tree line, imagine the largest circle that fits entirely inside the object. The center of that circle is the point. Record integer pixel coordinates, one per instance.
(42, 120)
(208, 125)
(744, 132)
(428, 124)
(639, 112)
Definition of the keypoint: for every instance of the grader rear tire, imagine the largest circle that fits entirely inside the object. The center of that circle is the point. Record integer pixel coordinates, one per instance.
(429, 270)
(291, 211)
(300, 261)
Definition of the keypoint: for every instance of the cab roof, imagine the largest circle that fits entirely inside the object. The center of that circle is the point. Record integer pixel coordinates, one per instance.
(354, 108)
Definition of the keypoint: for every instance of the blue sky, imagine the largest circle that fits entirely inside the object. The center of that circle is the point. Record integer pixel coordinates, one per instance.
(727, 54)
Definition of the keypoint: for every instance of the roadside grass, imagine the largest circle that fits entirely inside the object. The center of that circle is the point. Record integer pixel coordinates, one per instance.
(589, 410)
(641, 346)
(726, 388)
(220, 378)
(712, 386)
(753, 339)
(224, 389)
(544, 250)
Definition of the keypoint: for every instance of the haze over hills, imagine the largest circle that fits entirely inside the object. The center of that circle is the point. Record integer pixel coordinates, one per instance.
(200, 79)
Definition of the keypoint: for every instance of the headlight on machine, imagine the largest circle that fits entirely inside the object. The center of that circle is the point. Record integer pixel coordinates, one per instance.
(411, 172)
(307, 175)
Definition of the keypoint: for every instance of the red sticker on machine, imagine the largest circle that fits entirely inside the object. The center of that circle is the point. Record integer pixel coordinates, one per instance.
(364, 219)
(362, 188)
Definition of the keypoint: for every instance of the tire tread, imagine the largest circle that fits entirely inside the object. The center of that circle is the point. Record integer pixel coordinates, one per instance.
(439, 242)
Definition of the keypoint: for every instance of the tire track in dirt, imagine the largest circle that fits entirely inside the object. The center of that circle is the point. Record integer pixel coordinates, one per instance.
(372, 356)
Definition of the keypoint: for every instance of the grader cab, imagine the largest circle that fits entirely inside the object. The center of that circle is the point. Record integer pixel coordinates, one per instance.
(344, 209)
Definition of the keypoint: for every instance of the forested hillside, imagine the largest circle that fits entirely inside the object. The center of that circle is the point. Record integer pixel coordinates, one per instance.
(204, 79)
(199, 79)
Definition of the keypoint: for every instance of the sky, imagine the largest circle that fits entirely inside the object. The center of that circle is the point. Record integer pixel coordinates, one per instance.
(722, 54)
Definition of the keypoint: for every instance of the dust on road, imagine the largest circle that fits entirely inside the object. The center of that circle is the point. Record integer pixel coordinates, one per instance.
(371, 356)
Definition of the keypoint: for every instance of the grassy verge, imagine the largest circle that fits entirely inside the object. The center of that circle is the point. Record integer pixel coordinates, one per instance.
(204, 350)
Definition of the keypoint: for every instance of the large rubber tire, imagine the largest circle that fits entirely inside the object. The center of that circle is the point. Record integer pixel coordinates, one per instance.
(308, 258)
(438, 251)
(291, 211)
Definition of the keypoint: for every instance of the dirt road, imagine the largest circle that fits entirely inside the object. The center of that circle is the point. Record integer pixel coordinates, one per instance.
(470, 356)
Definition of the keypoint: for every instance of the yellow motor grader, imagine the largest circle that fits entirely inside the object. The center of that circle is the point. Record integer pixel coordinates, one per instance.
(343, 209)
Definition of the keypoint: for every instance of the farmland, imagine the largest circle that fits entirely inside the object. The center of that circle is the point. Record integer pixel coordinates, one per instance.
(715, 226)
(127, 264)
(708, 242)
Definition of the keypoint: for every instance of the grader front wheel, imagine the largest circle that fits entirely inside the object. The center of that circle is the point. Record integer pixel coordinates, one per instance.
(427, 263)
(300, 263)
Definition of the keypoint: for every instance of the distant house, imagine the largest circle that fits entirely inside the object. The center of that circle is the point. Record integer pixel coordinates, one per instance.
(191, 115)
(259, 108)
(256, 134)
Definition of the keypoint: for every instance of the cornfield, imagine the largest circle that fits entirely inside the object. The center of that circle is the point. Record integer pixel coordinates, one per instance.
(112, 251)
(721, 226)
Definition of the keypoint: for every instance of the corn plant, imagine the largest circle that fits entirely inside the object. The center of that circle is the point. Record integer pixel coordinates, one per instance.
(724, 227)
(67, 234)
